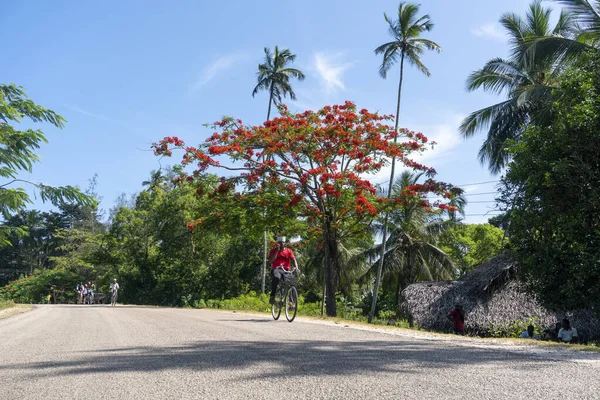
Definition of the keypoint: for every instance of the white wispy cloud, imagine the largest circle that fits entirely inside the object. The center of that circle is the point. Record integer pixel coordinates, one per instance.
(80, 110)
(491, 30)
(330, 69)
(446, 137)
(219, 65)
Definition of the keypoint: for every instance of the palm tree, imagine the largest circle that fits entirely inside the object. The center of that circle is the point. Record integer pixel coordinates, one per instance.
(526, 81)
(407, 45)
(585, 36)
(274, 76)
(411, 254)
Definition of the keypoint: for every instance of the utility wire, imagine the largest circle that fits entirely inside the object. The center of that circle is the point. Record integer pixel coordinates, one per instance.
(466, 184)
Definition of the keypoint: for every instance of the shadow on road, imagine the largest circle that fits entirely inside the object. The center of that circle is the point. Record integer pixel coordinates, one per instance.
(291, 358)
(83, 306)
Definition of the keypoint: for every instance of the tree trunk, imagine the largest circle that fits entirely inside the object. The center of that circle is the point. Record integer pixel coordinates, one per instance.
(270, 101)
(331, 266)
(264, 267)
(385, 221)
(324, 294)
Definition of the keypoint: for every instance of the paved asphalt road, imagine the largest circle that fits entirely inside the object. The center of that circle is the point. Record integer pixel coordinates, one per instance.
(99, 352)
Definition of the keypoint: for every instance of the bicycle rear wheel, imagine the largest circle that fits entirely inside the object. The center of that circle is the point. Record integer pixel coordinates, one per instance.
(291, 304)
(276, 306)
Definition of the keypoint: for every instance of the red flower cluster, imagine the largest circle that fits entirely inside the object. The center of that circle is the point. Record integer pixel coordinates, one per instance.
(320, 159)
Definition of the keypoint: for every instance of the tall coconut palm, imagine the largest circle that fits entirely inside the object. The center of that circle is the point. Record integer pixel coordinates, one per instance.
(407, 44)
(411, 254)
(526, 81)
(274, 76)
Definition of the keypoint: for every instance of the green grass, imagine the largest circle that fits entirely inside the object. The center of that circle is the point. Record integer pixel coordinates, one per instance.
(4, 304)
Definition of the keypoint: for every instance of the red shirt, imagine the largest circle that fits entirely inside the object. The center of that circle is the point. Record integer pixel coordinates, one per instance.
(458, 323)
(283, 258)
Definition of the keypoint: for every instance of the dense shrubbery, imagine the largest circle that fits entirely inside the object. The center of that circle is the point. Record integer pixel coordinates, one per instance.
(260, 303)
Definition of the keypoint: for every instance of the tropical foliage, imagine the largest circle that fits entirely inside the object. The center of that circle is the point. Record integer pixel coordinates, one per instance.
(315, 166)
(470, 245)
(17, 154)
(274, 76)
(194, 236)
(411, 248)
(552, 188)
(527, 84)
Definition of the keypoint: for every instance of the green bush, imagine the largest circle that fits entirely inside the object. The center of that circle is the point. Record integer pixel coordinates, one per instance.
(35, 288)
(260, 302)
(515, 329)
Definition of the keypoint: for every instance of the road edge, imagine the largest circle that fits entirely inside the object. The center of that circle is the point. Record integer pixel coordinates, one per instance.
(18, 309)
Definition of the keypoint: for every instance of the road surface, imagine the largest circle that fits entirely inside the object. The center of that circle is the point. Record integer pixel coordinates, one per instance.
(103, 352)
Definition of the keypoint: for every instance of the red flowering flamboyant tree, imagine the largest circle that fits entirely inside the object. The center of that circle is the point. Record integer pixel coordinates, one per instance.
(320, 161)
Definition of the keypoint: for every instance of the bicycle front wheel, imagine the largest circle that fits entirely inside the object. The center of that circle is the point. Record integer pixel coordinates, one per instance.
(291, 304)
(276, 306)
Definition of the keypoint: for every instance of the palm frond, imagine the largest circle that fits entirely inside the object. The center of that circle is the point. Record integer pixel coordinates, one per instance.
(497, 76)
(507, 124)
(428, 44)
(390, 57)
(565, 25)
(555, 49)
(481, 119)
(413, 59)
(587, 12)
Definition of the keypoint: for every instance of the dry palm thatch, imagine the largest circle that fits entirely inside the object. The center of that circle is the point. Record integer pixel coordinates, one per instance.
(494, 302)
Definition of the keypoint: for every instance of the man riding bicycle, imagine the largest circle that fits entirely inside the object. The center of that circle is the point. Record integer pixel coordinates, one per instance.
(280, 258)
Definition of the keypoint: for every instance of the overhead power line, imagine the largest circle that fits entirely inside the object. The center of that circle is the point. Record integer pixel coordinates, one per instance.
(484, 215)
(479, 183)
(466, 184)
(473, 194)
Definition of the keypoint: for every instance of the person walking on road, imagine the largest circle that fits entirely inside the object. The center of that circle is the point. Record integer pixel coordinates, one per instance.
(114, 292)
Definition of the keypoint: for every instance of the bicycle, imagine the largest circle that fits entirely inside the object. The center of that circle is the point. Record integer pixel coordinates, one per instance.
(286, 292)
(89, 298)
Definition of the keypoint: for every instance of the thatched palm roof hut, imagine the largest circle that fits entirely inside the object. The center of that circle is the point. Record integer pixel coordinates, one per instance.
(494, 302)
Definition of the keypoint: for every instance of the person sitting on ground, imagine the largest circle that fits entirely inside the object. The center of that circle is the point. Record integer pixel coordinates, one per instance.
(552, 333)
(567, 334)
(457, 317)
(280, 258)
(529, 333)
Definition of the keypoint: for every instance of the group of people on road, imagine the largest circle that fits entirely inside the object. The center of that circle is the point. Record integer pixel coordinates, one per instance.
(86, 292)
(563, 331)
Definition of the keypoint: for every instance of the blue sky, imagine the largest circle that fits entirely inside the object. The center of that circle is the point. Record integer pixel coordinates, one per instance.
(127, 73)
